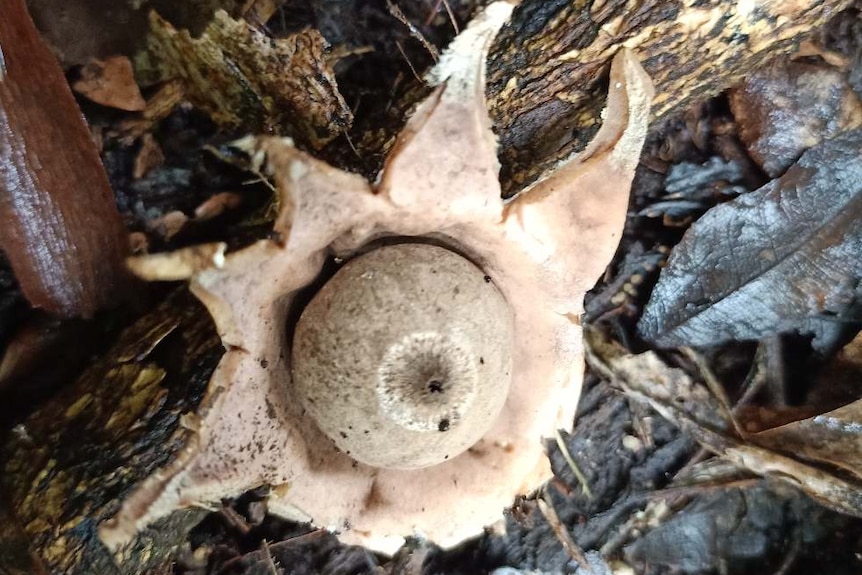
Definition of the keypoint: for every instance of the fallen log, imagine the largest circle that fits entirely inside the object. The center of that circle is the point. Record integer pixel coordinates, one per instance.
(546, 69)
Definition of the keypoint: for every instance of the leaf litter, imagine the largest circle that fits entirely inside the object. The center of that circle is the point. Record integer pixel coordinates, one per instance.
(694, 408)
(769, 260)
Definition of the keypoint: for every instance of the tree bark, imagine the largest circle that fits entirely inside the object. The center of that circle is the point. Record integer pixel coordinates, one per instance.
(61, 230)
(547, 69)
(71, 464)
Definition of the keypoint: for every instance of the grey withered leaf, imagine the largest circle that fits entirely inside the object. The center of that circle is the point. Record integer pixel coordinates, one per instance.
(769, 260)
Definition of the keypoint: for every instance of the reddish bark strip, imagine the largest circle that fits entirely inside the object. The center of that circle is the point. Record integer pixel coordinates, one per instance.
(59, 225)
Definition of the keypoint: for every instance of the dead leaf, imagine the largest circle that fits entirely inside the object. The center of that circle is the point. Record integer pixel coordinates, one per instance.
(169, 224)
(248, 81)
(139, 244)
(834, 437)
(160, 104)
(259, 11)
(791, 107)
(217, 205)
(178, 265)
(111, 83)
(769, 260)
(673, 394)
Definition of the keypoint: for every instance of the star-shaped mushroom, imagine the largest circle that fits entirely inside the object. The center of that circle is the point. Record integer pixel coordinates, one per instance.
(412, 393)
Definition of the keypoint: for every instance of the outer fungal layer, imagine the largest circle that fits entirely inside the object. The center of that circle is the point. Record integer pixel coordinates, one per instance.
(542, 251)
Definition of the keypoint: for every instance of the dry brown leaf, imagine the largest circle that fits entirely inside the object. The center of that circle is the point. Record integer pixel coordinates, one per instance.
(178, 265)
(217, 205)
(139, 243)
(260, 11)
(672, 392)
(111, 83)
(167, 97)
(169, 224)
(834, 437)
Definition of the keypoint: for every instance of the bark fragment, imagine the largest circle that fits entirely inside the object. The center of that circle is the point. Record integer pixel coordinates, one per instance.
(61, 230)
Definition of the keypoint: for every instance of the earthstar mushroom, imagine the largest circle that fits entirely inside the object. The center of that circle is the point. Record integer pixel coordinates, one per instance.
(285, 394)
(404, 357)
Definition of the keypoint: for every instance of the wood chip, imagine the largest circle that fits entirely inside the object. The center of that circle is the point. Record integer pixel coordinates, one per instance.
(111, 83)
(149, 156)
(178, 265)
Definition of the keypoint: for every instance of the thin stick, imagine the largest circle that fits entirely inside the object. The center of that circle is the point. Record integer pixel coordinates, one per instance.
(350, 143)
(579, 476)
(715, 387)
(451, 16)
(444, 3)
(433, 11)
(406, 59)
(565, 538)
(414, 31)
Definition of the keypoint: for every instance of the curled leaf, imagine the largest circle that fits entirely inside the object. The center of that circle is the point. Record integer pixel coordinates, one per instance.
(769, 260)
(834, 437)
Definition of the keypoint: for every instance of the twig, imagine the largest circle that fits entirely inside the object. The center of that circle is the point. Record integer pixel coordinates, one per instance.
(259, 554)
(350, 143)
(269, 561)
(715, 387)
(451, 16)
(235, 520)
(406, 59)
(436, 9)
(414, 31)
(432, 12)
(755, 380)
(579, 476)
(397, 82)
(698, 488)
(300, 539)
(563, 535)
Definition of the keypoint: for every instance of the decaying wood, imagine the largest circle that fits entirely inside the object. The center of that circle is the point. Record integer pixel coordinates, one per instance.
(68, 468)
(547, 67)
(64, 473)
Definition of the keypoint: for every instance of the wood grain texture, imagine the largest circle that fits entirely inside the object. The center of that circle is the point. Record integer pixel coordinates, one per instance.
(547, 69)
(69, 467)
(61, 230)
